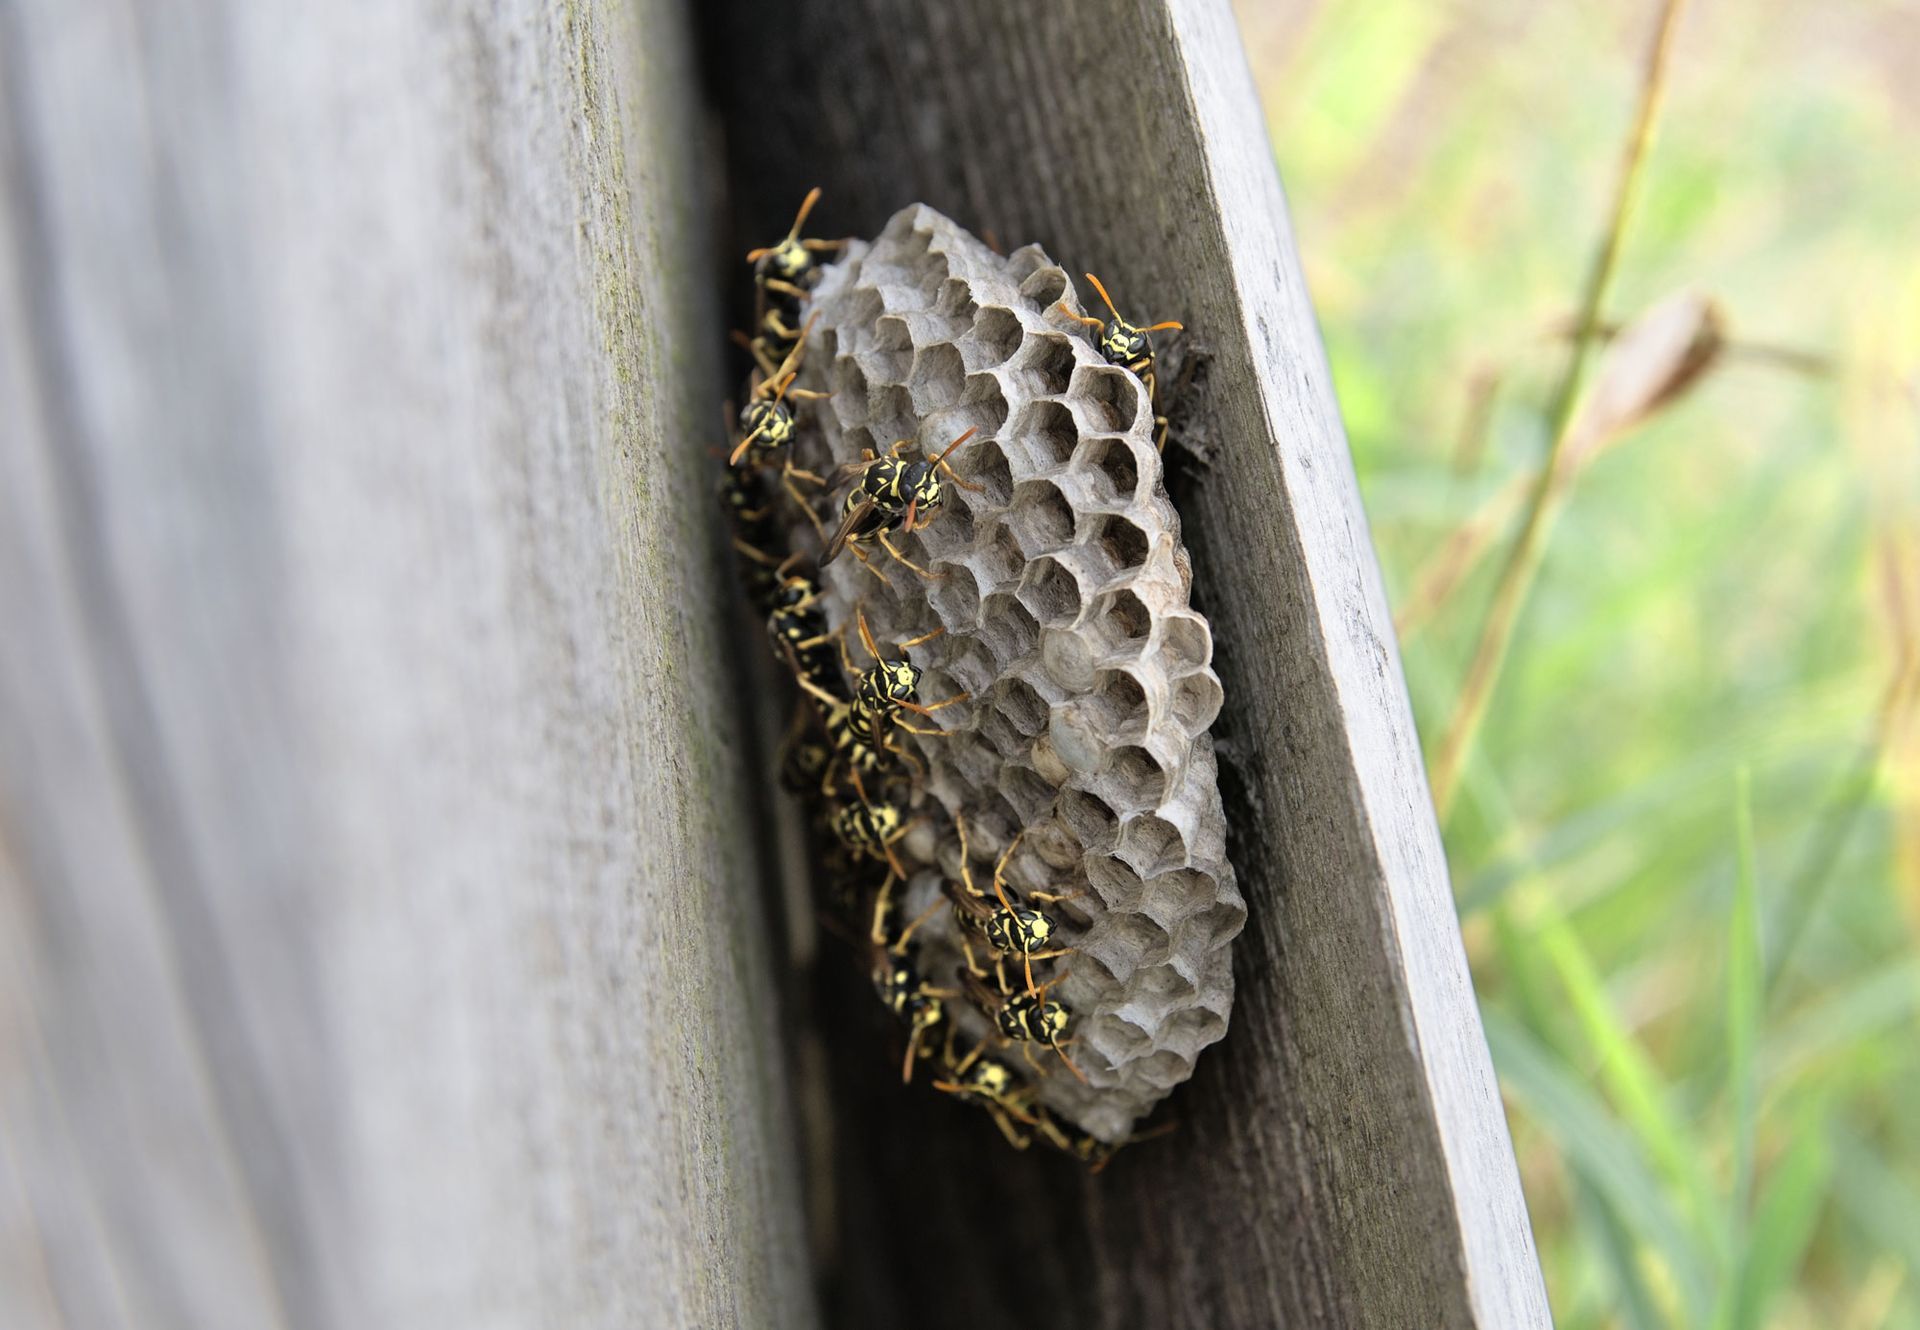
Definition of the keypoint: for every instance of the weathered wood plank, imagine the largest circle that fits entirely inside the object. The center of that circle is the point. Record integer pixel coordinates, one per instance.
(1344, 1158)
(377, 945)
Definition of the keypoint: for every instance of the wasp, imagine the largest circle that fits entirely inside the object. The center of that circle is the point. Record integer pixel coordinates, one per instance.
(897, 979)
(767, 431)
(1083, 1145)
(1130, 347)
(1012, 929)
(782, 274)
(891, 493)
(890, 687)
(767, 419)
(871, 830)
(756, 537)
(1026, 1018)
(797, 625)
(992, 1085)
(804, 766)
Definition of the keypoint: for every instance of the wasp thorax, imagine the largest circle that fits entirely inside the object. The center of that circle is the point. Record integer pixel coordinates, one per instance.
(888, 684)
(987, 1077)
(1019, 929)
(1031, 1018)
(866, 827)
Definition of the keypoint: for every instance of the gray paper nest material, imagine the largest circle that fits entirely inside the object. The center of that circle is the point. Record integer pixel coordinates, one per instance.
(1065, 602)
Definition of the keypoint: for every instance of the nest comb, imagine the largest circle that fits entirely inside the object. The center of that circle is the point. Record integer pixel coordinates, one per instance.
(1065, 599)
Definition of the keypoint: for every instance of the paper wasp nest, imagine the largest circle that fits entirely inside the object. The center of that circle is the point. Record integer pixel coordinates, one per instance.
(1065, 604)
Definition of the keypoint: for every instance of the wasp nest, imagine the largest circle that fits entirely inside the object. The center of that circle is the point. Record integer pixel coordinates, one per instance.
(1063, 591)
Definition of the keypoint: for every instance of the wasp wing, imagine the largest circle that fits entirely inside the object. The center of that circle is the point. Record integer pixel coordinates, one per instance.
(856, 517)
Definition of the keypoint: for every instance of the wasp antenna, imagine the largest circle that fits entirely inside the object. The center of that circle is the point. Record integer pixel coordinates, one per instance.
(755, 255)
(971, 431)
(1168, 326)
(1104, 296)
(866, 633)
(806, 206)
(784, 382)
(745, 444)
(1000, 869)
(1078, 1075)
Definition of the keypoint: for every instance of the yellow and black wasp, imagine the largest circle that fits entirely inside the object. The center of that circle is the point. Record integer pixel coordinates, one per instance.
(767, 431)
(891, 493)
(749, 503)
(782, 274)
(890, 687)
(897, 979)
(1082, 1144)
(1130, 347)
(871, 830)
(1011, 928)
(860, 730)
(991, 1084)
(1026, 1018)
(797, 625)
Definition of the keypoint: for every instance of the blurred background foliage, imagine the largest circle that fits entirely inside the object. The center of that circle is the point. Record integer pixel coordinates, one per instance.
(1686, 839)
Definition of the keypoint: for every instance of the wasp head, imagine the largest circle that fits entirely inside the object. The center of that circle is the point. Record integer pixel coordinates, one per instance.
(789, 261)
(921, 487)
(771, 420)
(1124, 344)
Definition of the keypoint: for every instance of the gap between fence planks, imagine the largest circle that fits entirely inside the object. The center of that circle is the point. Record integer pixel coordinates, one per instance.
(1343, 1158)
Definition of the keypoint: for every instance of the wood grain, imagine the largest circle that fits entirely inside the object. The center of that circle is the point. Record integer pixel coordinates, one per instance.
(378, 946)
(1343, 1158)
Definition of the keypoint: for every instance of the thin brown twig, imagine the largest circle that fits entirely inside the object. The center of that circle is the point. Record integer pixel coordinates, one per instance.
(1523, 559)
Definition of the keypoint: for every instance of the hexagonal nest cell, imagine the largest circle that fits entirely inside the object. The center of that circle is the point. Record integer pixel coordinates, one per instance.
(1063, 593)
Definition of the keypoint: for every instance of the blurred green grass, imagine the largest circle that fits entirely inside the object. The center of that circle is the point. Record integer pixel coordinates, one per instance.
(1687, 844)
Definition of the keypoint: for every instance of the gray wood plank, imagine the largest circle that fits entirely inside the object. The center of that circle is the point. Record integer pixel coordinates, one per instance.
(376, 947)
(1343, 1157)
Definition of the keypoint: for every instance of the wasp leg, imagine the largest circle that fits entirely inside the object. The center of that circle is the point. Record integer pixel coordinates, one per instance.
(878, 932)
(1050, 897)
(899, 947)
(867, 563)
(913, 1047)
(954, 478)
(914, 729)
(927, 710)
(793, 492)
(919, 767)
(966, 949)
(1078, 1075)
(758, 556)
(1014, 1138)
(901, 558)
(763, 355)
